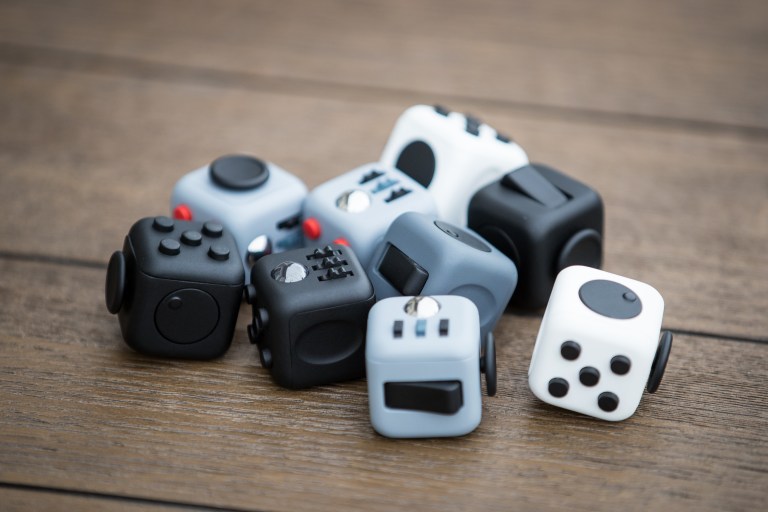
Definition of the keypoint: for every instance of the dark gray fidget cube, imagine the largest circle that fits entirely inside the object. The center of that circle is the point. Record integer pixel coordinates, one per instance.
(421, 255)
(176, 287)
(542, 220)
(310, 312)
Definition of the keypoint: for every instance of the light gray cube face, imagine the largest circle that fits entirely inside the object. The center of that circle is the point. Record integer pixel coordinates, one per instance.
(421, 255)
(257, 201)
(356, 208)
(597, 343)
(452, 154)
(423, 366)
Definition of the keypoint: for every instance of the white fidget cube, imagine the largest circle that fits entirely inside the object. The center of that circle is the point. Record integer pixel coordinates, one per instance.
(598, 346)
(452, 154)
(423, 363)
(356, 208)
(257, 201)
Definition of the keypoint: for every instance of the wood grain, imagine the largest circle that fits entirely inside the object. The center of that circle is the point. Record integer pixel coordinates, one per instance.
(691, 61)
(83, 160)
(80, 410)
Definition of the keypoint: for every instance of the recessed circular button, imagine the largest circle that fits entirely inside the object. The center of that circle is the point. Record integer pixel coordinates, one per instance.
(610, 299)
(589, 376)
(558, 387)
(608, 401)
(169, 246)
(219, 252)
(163, 224)
(620, 365)
(187, 316)
(354, 201)
(289, 272)
(239, 172)
(191, 238)
(422, 307)
(213, 229)
(570, 350)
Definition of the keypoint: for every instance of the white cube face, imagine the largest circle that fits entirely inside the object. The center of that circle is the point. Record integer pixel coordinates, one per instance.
(258, 202)
(453, 155)
(357, 207)
(423, 367)
(596, 344)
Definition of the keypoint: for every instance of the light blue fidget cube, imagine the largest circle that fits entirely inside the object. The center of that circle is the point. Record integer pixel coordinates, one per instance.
(423, 361)
(257, 201)
(421, 255)
(356, 208)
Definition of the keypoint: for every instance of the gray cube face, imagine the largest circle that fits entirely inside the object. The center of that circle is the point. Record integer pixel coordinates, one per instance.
(356, 208)
(421, 255)
(257, 201)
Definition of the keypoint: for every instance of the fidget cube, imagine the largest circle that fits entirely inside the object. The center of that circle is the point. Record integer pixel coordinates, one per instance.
(176, 288)
(542, 220)
(257, 201)
(452, 154)
(356, 208)
(423, 360)
(424, 256)
(310, 309)
(598, 345)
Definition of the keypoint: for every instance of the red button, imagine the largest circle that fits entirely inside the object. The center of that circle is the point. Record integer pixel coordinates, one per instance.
(312, 228)
(341, 241)
(182, 212)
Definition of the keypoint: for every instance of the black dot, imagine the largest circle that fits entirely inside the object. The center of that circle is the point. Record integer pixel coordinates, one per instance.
(570, 350)
(620, 365)
(558, 387)
(608, 401)
(589, 376)
(239, 172)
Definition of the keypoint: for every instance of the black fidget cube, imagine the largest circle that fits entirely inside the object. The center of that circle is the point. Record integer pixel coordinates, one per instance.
(310, 313)
(542, 220)
(176, 287)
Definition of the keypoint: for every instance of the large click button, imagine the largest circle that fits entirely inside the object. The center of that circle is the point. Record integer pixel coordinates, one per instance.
(441, 397)
(404, 274)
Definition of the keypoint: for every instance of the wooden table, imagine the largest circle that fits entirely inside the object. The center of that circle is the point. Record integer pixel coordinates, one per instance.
(662, 106)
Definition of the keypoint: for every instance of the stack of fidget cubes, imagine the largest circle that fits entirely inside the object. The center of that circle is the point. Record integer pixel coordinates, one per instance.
(397, 270)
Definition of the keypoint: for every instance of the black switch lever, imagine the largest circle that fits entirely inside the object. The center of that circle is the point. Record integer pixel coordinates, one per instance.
(441, 397)
(528, 181)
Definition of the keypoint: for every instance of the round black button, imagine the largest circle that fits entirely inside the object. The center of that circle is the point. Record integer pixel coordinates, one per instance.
(170, 246)
(191, 238)
(570, 350)
(114, 290)
(239, 172)
(265, 356)
(608, 401)
(583, 248)
(219, 252)
(187, 316)
(589, 376)
(163, 224)
(213, 229)
(610, 299)
(558, 387)
(620, 365)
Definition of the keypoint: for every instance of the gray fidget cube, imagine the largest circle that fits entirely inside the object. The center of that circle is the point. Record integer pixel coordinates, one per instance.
(257, 201)
(423, 363)
(356, 208)
(424, 256)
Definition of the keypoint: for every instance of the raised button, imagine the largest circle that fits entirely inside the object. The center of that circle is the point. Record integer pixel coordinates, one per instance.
(239, 172)
(312, 228)
(191, 238)
(440, 397)
(163, 224)
(442, 110)
(570, 350)
(397, 329)
(404, 274)
(620, 365)
(608, 401)
(503, 138)
(370, 176)
(219, 252)
(213, 229)
(589, 376)
(289, 272)
(422, 307)
(170, 246)
(473, 125)
(421, 328)
(558, 387)
(443, 329)
(182, 212)
(114, 289)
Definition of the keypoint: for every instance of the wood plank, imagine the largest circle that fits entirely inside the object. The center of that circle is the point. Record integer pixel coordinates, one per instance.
(82, 411)
(43, 499)
(702, 61)
(83, 160)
